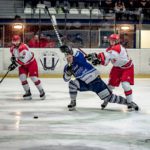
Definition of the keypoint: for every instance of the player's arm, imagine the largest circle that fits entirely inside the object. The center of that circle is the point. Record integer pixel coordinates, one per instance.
(98, 59)
(67, 72)
(13, 59)
(13, 64)
(104, 57)
(80, 58)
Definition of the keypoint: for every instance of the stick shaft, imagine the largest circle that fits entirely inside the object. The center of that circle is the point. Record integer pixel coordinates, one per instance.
(83, 51)
(4, 76)
(54, 26)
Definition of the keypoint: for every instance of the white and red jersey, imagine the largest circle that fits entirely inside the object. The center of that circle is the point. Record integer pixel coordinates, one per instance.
(22, 54)
(117, 55)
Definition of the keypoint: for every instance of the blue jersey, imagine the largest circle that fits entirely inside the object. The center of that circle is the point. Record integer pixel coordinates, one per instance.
(81, 69)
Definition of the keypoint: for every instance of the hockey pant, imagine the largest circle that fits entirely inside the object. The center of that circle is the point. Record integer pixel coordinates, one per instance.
(99, 87)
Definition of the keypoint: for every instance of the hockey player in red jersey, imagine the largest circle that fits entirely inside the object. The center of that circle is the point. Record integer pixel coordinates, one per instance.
(27, 66)
(122, 70)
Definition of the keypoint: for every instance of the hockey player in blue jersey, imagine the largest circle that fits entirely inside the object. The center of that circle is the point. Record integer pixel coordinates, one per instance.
(87, 78)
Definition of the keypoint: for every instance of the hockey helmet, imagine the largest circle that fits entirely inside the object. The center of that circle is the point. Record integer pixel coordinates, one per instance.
(66, 50)
(114, 37)
(16, 39)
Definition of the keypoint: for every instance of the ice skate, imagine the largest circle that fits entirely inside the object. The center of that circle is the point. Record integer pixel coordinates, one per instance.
(27, 95)
(132, 106)
(72, 105)
(104, 104)
(42, 94)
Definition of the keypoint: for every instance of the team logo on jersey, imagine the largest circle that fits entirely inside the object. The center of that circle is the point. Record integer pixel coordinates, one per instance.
(49, 60)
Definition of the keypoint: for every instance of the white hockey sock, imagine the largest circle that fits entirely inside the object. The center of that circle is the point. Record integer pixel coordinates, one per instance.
(39, 86)
(129, 98)
(26, 87)
(73, 85)
(128, 91)
(24, 82)
(37, 83)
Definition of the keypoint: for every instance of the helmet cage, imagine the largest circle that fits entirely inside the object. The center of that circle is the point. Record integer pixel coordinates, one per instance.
(66, 50)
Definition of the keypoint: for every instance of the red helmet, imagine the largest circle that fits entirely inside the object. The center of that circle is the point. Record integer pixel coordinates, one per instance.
(16, 38)
(114, 37)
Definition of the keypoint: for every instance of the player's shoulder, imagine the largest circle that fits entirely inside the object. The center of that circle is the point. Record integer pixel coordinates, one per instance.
(116, 48)
(78, 53)
(23, 47)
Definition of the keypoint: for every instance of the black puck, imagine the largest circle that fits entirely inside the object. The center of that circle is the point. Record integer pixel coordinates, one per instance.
(35, 117)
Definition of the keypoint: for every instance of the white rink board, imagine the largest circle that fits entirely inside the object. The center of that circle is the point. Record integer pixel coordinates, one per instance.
(140, 57)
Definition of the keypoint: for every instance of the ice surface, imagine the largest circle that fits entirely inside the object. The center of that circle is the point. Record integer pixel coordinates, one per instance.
(87, 128)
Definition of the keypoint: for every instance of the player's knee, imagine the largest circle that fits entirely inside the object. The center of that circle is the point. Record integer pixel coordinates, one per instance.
(104, 94)
(111, 87)
(35, 80)
(23, 77)
(126, 86)
(72, 86)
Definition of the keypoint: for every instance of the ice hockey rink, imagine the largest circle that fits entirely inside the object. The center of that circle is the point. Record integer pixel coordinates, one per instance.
(56, 128)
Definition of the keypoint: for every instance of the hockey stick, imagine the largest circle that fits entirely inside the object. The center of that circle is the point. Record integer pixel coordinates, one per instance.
(83, 51)
(4, 76)
(54, 24)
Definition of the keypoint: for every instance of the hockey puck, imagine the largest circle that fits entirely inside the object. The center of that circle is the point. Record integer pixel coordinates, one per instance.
(35, 117)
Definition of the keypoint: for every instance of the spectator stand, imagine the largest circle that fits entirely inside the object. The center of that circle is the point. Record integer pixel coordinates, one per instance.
(119, 9)
(144, 7)
(132, 10)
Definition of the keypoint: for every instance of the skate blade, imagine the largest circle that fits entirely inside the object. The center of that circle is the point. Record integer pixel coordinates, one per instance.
(72, 109)
(136, 108)
(27, 98)
(133, 109)
(102, 108)
(130, 109)
(43, 98)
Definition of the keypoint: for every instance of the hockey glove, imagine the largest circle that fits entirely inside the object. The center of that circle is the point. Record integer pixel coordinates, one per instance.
(92, 57)
(13, 59)
(12, 66)
(96, 62)
(69, 70)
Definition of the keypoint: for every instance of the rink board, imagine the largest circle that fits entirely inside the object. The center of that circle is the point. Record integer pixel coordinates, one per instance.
(53, 61)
